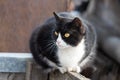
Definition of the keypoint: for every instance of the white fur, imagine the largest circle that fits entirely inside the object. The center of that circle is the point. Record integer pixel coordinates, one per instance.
(60, 43)
(69, 56)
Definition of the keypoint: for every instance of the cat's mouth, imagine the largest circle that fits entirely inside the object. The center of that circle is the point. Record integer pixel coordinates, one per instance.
(61, 46)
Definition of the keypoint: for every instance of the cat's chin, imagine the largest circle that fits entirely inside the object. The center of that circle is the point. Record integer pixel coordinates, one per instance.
(63, 47)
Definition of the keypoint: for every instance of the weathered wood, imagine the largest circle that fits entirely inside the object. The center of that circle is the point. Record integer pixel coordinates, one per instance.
(16, 76)
(34, 72)
(67, 76)
(28, 70)
(12, 76)
(79, 76)
(4, 76)
(37, 73)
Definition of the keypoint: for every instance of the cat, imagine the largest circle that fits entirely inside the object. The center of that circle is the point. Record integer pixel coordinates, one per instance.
(65, 42)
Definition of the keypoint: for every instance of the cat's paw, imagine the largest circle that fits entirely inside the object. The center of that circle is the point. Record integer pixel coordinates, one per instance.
(77, 69)
(62, 69)
(70, 69)
(74, 69)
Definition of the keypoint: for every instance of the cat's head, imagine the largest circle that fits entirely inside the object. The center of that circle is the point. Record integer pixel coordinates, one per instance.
(69, 32)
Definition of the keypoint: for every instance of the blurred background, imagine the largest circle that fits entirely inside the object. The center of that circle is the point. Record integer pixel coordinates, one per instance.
(18, 18)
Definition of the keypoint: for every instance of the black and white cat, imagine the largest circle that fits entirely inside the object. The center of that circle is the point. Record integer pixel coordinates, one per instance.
(64, 42)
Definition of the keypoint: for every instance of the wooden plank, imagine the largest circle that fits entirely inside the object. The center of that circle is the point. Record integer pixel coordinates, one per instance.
(79, 76)
(11, 68)
(18, 18)
(12, 76)
(28, 70)
(4, 76)
(67, 76)
(16, 76)
(37, 73)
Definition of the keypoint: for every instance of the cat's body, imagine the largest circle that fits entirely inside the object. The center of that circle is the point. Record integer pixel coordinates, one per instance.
(64, 42)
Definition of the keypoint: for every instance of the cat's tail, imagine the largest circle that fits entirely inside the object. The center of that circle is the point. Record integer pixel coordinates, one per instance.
(81, 5)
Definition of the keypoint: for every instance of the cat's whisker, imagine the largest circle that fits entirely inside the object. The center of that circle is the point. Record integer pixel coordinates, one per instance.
(49, 47)
(52, 49)
(49, 44)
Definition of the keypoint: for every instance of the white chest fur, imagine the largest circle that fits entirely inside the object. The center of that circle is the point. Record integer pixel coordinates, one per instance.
(71, 56)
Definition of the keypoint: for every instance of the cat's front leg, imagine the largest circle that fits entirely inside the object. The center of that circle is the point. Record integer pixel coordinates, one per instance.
(62, 69)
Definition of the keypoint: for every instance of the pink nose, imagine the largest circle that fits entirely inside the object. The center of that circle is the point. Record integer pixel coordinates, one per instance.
(58, 42)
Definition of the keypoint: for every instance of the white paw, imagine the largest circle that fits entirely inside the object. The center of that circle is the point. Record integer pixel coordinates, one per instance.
(62, 69)
(74, 69)
(70, 69)
(77, 69)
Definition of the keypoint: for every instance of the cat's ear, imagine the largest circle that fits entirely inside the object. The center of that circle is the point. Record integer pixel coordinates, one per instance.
(57, 17)
(78, 23)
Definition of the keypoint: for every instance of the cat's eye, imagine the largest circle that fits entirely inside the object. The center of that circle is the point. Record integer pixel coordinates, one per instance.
(67, 35)
(56, 33)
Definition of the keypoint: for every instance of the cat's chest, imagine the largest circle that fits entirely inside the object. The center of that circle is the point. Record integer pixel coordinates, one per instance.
(71, 57)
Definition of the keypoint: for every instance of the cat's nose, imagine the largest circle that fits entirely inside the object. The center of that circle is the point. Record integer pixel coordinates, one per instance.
(58, 42)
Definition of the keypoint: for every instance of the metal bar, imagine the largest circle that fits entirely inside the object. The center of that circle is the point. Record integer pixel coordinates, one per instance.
(14, 62)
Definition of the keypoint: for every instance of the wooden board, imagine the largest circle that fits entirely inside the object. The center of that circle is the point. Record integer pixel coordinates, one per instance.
(12, 76)
(35, 73)
(18, 18)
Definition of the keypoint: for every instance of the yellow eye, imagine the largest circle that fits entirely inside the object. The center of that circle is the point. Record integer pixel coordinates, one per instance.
(56, 33)
(67, 35)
